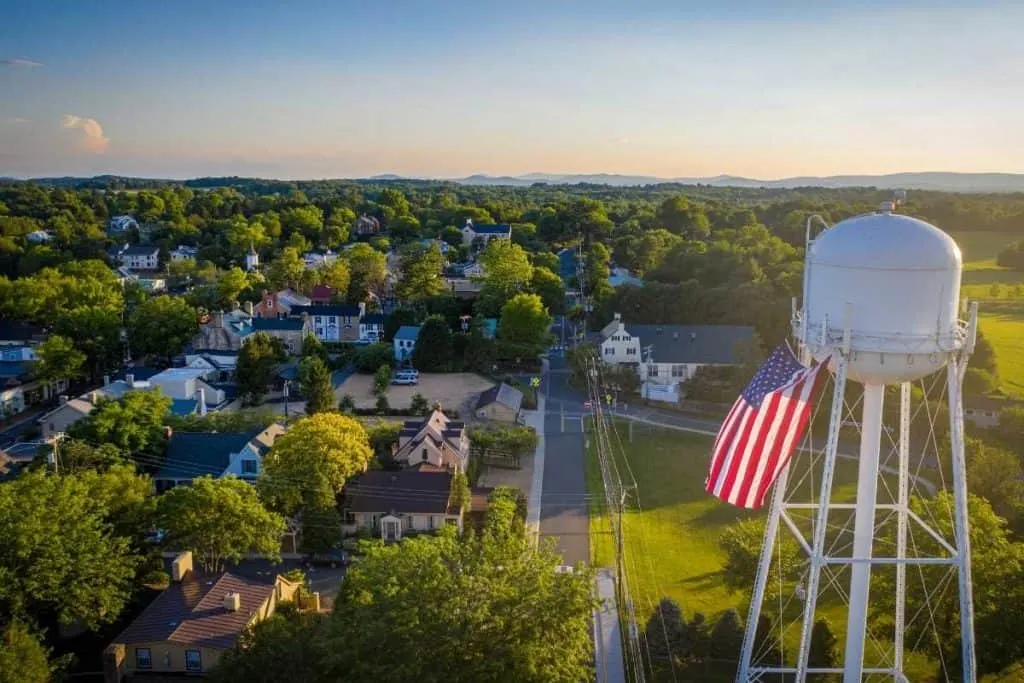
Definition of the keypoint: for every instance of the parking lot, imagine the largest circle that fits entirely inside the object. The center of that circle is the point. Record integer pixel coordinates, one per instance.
(456, 390)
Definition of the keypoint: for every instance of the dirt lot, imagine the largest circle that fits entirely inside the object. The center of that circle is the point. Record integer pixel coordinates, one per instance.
(452, 390)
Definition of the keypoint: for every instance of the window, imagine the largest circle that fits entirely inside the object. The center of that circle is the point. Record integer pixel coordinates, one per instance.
(143, 658)
(630, 351)
(249, 466)
(430, 521)
(423, 454)
(652, 370)
(193, 660)
(608, 350)
(679, 371)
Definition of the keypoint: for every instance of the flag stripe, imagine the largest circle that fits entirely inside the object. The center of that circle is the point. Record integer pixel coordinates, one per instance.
(762, 429)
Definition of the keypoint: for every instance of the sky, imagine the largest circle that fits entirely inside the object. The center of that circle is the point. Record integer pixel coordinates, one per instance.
(318, 89)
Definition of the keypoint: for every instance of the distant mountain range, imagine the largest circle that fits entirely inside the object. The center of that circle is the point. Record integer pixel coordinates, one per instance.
(937, 181)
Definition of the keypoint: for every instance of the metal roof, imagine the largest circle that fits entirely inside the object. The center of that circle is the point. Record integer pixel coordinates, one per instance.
(701, 344)
(408, 332)
(402, 491)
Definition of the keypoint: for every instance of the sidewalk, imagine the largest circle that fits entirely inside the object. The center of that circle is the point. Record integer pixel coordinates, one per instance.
(607, 631)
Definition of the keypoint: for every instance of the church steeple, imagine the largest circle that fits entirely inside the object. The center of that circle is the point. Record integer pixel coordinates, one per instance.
(252, 259)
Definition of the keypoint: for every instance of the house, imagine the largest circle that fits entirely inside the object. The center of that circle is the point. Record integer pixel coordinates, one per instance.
(194, 454)
(279, 304)
(184, 384)
(371, 328)
(482, 234)
(19, 389)
(120, 224)
(150, 282)
(622, 276)
(24, 452)
(184, 253)
(190, 625)
(17, 353)
(252, 259)
(464, 288)
(72, 410)
(220, 365)
(137, 257)
(14, 333)
(366, 225)
(984, 411)
(315, 259)
(473, 270)
(392, 503)
(224, 331)
(334, 322)
(500, 403)
(322, 295)
(39, 236)
(436, 440)
(667, 355)
(291, 331)
(405, 341)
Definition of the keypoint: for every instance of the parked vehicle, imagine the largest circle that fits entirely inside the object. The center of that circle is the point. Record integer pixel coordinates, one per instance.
(406, 377)
(331, 558)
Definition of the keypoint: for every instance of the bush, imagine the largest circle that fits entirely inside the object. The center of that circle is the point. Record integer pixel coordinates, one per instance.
(382, 406)
(157, 578)
(419, 405)
(347, 404)
(372, 356)
(381, 380)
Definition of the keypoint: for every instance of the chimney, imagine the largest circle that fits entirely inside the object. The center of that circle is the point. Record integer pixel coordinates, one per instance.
(181, 565)
(675, 335)
(618, 317)
(218, 319)
(249, 308)
(693, 336)
(106, 380)
(362, 309)
(232, 602)
(201, 398)
(94, 397)
(130, 380)
(168, 432)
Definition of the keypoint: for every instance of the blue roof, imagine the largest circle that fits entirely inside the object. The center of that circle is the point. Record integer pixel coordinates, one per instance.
(140, 372)
(16, 369)
(261, 324)
(194, 454)
(567, 263)
(349, 310)
(183, 406)
(617, 279)
(408, 332)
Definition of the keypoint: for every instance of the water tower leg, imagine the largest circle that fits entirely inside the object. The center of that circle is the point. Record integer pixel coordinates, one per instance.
(863, 531)
(902, 503)
(963, 536)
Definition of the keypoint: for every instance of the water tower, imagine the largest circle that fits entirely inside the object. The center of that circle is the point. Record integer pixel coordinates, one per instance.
(881, 304)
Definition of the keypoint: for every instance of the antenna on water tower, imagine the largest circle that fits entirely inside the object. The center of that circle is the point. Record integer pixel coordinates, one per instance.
(870, 310)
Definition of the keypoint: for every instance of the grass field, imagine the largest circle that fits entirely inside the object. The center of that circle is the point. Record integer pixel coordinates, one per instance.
(672, 542)
(1003, 325)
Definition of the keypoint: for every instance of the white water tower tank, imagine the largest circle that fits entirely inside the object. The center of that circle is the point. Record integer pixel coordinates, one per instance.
(895, 281)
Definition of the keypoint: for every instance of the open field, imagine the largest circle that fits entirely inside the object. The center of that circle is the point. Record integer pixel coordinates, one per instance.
(672, 542)
(452, 390)
(979, 252)
(1003, 325)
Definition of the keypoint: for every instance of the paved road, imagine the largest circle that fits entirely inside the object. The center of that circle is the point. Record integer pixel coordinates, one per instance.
(563, 513)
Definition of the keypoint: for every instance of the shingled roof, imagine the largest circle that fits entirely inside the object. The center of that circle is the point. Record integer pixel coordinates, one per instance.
(419, 490)
(192, 612)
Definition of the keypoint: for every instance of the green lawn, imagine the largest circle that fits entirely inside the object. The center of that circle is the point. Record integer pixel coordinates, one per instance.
(672, 544)
(979, 251)
(1003, 325)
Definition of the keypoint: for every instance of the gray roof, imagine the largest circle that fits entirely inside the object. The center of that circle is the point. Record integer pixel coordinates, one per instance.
(399, 491)
(502, 393)
(264, 324)
(492, 229)
(193, 454)
(409, 332)
(140, 250)
(703, 344)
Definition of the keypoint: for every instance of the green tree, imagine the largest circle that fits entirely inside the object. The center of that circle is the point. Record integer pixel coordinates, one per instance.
(321, 530)
(347, 404)
(421, 273)
(287, 270)
(996, 475)
(403, 228)
(491, 596)
(336, 275)
(126, 499)
(23, 659)
(550, 289)
(230, 285)
(367, 272)
(383, 406)
(507, 272)
(419, 405)
(726, 641)
(96, 332)
(525, 323)
(290, 645)
(162, 326)
(307, 220)
(434, 351)
(58, 554)
(741, 542)
(133, 424)
(824, 650)
(76, 456)
(58, 359)
(310, 463)
(369, 358)
(680, 217)
(219, 520)
(313, 347)
(254, 370)
(480, 351)
(316, 385)
(382, 380)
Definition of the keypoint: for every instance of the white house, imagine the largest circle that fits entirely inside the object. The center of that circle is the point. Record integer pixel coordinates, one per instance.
(666, 356)
(184, 253)
(485, 233)
(391, 503)
(219, 454)
(314, 259)
(187, 384)
(405, 341)
(39, 236)
(333, 322)
(119, 224)
(371, 328)
(138, 257)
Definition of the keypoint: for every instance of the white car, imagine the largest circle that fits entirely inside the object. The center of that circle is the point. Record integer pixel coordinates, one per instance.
(406, 377)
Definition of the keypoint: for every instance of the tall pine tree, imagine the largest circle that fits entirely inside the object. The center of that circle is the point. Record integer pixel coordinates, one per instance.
(316, 385)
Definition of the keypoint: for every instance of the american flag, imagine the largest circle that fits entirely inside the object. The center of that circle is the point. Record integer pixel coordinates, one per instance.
(763, 428)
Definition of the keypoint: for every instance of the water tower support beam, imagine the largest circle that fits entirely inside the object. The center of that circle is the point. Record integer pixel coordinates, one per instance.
(954, 376)
(902, 502)
(863, 531)
(820, 520)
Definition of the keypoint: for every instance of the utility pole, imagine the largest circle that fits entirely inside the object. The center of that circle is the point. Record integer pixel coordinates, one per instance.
(648, 350)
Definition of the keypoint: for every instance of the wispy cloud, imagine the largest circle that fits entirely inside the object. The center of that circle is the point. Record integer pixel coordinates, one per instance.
(622, 141)
(92, 139)
(15, 119)
(24, 63)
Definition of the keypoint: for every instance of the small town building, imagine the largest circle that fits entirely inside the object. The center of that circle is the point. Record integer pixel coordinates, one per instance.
(500, 403)
(333, 322)
(436, 440)
(405, 341)
(482, 234)
(391, 503)
(218, 454)
(137, 257)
